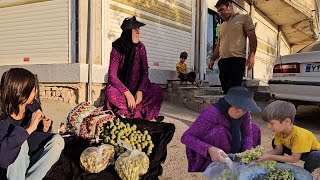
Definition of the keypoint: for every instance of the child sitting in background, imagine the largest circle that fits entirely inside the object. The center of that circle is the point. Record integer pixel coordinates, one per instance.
(182, 70)
(27, 148)
(295, 141)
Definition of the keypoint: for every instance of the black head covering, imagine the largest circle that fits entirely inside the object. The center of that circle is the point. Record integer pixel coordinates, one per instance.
(131, 23)
(235, 124)
(125, 46)
(124, 43)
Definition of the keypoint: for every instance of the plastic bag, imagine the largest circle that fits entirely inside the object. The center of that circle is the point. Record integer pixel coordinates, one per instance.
(215, 67)
(223, 171)
(255, 171)
(132, 164)
(96, 159)
(316, 174)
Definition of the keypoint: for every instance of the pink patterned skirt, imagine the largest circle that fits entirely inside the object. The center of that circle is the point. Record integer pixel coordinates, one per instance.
(148, 109)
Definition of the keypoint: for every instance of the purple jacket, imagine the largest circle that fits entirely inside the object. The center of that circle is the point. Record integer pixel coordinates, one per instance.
(212, 128)
(139, 79)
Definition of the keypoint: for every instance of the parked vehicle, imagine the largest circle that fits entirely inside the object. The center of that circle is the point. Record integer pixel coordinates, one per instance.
(296, 77)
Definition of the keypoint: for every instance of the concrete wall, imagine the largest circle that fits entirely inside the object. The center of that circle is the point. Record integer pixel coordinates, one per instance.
(64, 73)
(72, 93)
(68, 82)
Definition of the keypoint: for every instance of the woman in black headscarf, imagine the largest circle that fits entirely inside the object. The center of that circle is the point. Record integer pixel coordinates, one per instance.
(129, 92)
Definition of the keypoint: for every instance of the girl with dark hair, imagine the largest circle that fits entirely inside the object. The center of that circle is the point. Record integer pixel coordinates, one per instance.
(27, 148)
(129, 92)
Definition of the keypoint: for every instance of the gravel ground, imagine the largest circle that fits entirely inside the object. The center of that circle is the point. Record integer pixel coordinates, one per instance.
(175, 167)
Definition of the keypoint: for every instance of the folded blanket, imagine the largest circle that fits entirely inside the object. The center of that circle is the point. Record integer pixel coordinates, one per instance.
(68, 167)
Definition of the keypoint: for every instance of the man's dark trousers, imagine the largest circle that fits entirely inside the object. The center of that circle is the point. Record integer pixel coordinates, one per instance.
(231, 72)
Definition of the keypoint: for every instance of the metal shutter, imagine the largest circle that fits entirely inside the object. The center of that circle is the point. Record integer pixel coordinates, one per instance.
(285, 48)
(163, 36)
(36, 33)
(267, 47)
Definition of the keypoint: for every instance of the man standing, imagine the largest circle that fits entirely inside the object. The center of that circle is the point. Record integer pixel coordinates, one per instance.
(231, 46)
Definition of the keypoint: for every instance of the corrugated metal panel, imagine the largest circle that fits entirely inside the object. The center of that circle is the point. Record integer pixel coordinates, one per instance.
(211, 4)
(238, 6)
(245, 5)
(239, 9)
(264, 71)
(284, 47)
(183, 3)
(38, 31)
(186, 2)
(266, 33)
(163, 42)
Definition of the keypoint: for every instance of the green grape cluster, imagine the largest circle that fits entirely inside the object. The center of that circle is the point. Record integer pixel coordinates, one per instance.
(113, 132)
(131, 165)
(278, 174)
(226, 174)
(281, 174)
(269, 165)
(250, 155)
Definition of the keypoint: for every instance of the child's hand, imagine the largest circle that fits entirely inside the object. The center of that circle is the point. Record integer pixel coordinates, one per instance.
(46, 123)
(35, 119)
(264, 157)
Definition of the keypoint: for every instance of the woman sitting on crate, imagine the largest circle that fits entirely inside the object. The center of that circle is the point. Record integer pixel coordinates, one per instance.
(129, 92)
(223, 127)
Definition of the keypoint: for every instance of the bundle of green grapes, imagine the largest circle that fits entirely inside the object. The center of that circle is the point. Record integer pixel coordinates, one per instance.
(281, 174)
(250, 155)
(273, 172)
(270, 165)
(132, 165)
(226, 174)
(96, 159)
(278, 174)
(115, 132)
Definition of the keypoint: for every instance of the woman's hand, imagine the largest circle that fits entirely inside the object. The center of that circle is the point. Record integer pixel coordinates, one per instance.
(130, 100)
(35, 119)
(138, 97)
(217, 154)
(46, 123)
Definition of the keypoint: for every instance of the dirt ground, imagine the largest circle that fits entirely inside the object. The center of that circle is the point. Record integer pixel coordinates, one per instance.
(175, 166)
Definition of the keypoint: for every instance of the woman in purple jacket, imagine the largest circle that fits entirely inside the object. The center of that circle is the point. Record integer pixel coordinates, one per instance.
(224, 127)
(129, 92)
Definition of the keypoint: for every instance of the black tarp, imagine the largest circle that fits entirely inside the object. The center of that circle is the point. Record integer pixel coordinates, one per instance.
(68, 166)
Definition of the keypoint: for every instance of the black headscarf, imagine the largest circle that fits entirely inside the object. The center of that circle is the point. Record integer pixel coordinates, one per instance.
(235, 124)
(124, 45)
